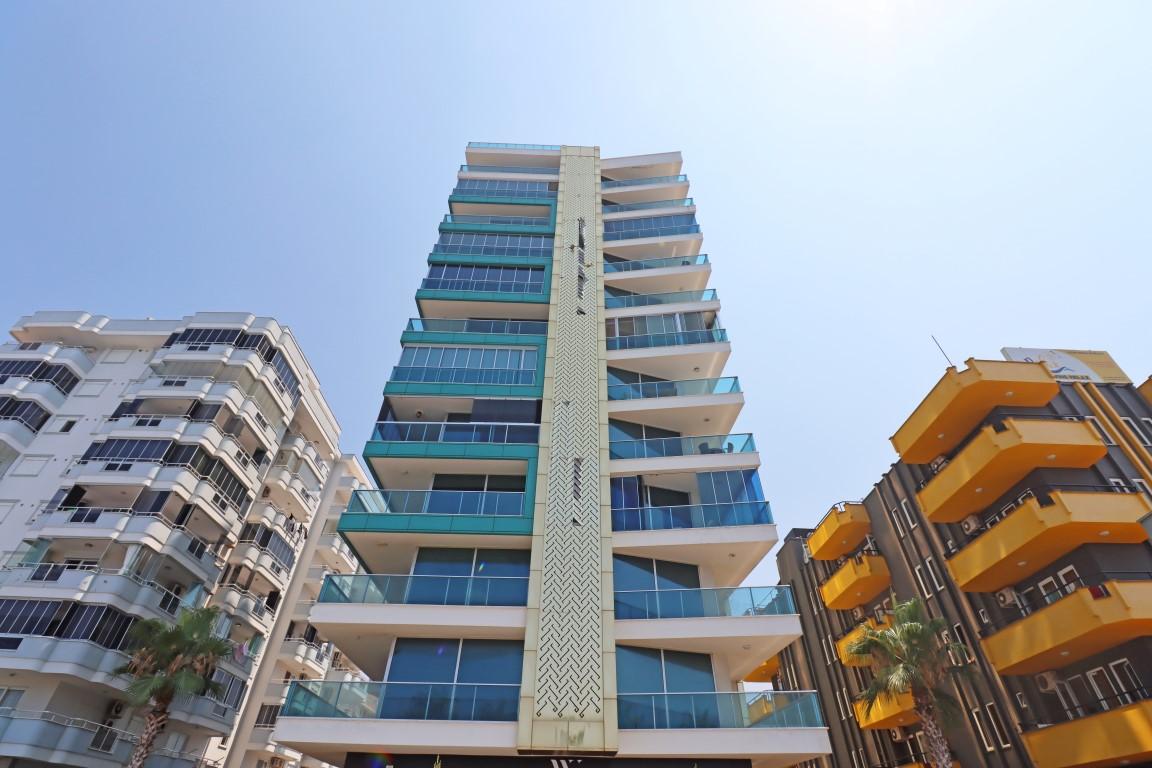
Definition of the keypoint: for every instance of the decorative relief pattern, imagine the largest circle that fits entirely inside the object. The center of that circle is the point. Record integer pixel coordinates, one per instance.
(570, 670)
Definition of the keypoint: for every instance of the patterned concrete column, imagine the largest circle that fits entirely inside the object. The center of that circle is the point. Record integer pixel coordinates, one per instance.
(568, 695)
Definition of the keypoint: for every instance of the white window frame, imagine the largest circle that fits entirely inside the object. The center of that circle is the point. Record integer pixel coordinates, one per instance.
(908, 517)
(998, 725)
(934, 573)
(1135, 429)
(928, 595)
(977, 715)
(1107, 438)
(894, 514)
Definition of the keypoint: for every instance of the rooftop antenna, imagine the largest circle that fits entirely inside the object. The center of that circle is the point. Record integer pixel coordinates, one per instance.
(950, 363)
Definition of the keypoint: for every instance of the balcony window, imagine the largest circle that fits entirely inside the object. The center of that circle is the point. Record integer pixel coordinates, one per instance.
(653, 226)
(663, 330)
(467, 365)
(642, 672)
(467, 277)
(505, 188)
(433, 679)
(485, 244)
(58, 376)
(26, 412)
(520, 327)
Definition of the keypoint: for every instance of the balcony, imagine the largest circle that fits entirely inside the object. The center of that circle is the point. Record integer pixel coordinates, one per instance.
(663, 300)
(645, 182)
(402, 701)
(845, 642)
(1119, 735)
(683, 202)
(122, 589)
(764, 673)
(456, 433)
(414, 589)
(532, 225)
(860, 580)
(728, 539)
(687, 407)
(841, 531)
(887, 712)
(696, 453)
(771, 728)
(1080, 620)
(371, 513)
(304, 657)
(496, 170)
(679, 338)
(999, 457)
(50, 738)
(486, 327)
(741, 625)
(659, 274)
(1045, 527)
(651, 227)
(961, 400)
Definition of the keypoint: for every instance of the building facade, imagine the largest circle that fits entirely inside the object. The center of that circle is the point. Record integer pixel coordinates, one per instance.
(147, 466)
(1015, 513)
(563, 514)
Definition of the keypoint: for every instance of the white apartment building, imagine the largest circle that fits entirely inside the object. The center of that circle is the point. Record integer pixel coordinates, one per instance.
(147, 465)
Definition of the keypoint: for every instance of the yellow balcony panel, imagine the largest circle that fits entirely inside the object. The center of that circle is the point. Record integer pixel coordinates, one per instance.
(842, 645)
(995, 461)
(840, 532)
(1033, 536)
(887, 712)
(1145, 389)
(1120, 736)
(1079, 625)
(765, 672)
(858, 581)
(962, 398)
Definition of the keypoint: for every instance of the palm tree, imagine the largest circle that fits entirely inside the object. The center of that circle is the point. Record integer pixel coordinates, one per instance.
(909, 656)
(170, 660)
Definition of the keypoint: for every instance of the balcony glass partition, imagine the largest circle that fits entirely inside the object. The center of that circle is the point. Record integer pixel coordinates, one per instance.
(505, 188)
(488, 244)
(456, 432)
(691, 516)
(400, 502)
(653, 299)
(681, 446)
(511, 327)
(468, 277)
(425, 589)
(767, 709)
(627, 265)
(614, 183)
(402, 701)
(653, 226)
(517, 221)
(696, 603)
(676, 338)
(648, 389)
(683, 202)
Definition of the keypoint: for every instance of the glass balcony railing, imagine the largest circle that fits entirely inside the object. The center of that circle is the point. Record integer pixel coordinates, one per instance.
(508, 169)
(502, 145)
(699, 603)
(612, 184)
(424, 590)
(518, 221)
(692, 516)
(766, 709)
(455, 432)
(501, 188)
(482, 286)
(511, 327)
(648, 389)
(424, 375)
(654, 299)
(695, 445)
(684, 202)
(497, 503)
(662, 230)
(662, 263)
(643, 341)
(402, 701)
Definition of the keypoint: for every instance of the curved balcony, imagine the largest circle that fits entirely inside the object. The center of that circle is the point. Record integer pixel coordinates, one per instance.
(1045, 527)
(961, 400)
(841, 531)
(999, 457)
(886, 713)
(860, 580)
(845, 642)
(1079, 620)
(120, 588)
(245, 606)
(304, 657)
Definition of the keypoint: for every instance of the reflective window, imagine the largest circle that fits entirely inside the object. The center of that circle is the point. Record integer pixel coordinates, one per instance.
(481, 277)
(485, 244)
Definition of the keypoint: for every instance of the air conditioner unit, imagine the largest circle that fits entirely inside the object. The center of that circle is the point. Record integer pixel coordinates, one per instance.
(896, 734)
(971, 524)
(858, 614)
(1046, 682)
(1006, 597)
(114, 711)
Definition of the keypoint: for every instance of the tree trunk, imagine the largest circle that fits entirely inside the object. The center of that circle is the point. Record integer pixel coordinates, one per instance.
(939, 755)
(152, 725)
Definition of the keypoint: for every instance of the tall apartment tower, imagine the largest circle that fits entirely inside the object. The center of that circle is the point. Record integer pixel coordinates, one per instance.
(148, 466)
(1017, 513)
(564, 515)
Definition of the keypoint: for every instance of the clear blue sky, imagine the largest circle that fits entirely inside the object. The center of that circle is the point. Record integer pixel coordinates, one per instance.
(868, 173)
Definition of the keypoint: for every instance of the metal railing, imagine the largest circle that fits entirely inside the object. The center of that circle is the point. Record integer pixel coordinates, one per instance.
(692, 516)
(1089, 707)
(675, 338)
(509, 169)
(700, 603)
(1043, 496)
(644, 390)
(496, 503)
(456, 432)
(510, 327)
(1095, 584)
(767, 709)
(684, 202)
(194, 545)
(694, 445)
(612, 184)
(652, 299)
(402, 701)
(631, 265)
(416, 589)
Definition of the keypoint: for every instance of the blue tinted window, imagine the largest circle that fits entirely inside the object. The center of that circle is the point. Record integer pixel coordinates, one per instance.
(420, 660)
(632, 573)
(638, 670)
(676, 575)
(502, 562)
(491, 661)
(688, 672)
(626, 493)
(443, 562)
(727, 487)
